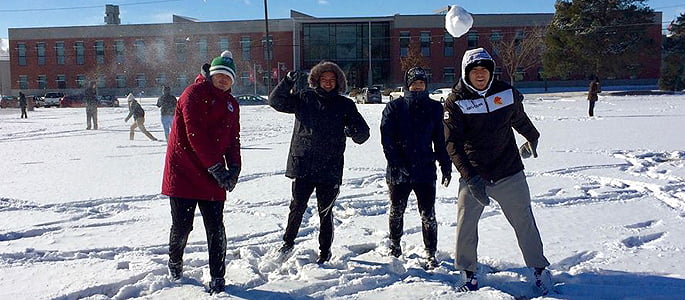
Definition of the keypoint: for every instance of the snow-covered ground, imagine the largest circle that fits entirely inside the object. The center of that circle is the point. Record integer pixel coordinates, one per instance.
(81, 215)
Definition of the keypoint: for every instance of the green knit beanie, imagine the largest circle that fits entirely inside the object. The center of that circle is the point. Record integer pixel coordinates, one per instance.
(223, 64)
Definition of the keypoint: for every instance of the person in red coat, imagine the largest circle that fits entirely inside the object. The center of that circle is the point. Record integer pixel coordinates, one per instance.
(202, 163)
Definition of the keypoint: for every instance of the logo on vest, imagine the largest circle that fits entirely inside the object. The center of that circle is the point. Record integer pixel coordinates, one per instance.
(498, 100)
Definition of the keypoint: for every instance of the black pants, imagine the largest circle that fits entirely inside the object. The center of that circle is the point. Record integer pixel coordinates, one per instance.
(591, 111)
(326, 193)
(425, 196)
(182, 215)
(23, 113)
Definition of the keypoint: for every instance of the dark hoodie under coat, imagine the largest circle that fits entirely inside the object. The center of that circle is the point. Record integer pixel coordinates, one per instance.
(478, 129)
(318, 141)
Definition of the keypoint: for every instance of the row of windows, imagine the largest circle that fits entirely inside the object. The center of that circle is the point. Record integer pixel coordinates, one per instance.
(472, 41)
(141, 81)
(140, 50)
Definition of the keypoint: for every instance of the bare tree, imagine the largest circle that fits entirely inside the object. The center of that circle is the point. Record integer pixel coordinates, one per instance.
(520, 50)
(414, 58)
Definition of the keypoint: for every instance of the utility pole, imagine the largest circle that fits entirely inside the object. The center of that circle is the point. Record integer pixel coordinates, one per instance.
(268, 49)
(370, 73)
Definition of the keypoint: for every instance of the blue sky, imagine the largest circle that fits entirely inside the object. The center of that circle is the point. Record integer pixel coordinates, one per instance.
(48, 13)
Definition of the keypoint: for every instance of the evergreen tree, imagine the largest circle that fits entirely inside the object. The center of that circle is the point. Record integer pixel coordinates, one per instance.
(597, 37)
(673, 66)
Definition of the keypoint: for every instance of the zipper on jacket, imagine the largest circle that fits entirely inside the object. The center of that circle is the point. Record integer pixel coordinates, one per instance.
(486, 103)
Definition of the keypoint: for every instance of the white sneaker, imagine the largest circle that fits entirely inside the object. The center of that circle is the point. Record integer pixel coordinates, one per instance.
(543, 280)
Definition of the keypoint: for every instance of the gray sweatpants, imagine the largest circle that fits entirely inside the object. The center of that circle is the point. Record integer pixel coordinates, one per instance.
(513, 196)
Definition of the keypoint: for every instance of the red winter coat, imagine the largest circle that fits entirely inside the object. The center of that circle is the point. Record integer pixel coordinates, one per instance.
(205, 128)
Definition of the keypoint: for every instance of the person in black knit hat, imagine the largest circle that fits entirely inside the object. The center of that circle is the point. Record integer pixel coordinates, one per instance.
(413, 139)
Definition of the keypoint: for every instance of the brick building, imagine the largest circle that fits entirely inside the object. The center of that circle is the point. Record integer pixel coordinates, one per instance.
(142, 57)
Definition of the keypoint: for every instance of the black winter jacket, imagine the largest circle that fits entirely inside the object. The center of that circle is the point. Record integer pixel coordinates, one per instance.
(167, 104)
(413, 139)
(322, 121)
(478, 130)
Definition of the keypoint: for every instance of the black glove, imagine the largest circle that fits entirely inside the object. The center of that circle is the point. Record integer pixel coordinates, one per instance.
(234, 172)
(529, 149)
(293, 76)
(357, 136)
(446, 177)
(226, 178)
(477, 188)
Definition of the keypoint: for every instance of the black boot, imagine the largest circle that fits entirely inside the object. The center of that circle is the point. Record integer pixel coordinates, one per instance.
(324, 256)
(175, 270)
(395, 249)
(217, 285)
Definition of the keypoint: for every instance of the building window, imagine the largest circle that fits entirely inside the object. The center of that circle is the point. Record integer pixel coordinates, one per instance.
(101, 80)
(245, 78)
(40, 51)
(498, 73)
(223, 44)
(21, 54)
(81, 81)
(80, 53)
(245, 46)
(59, 51)
(425, 39)
(519, 74)
(140, 50)
(182, 80)
(61, 81)
(204, 50)
(520, 35)
(495, 38)
(405, 39)
(449, 45)
(121, 81)
(119, 51)
(267, 53)
(141, 81)
(448, 74)
(472, 40)
(23, 82)
(100, 52)
(181, 50)
(42, 82)
(161, 79)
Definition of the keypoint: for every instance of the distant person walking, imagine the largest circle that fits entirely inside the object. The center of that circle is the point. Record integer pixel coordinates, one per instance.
(594, 89)
(91, 99)
(136, 111)
(167, 105)
(22, 105)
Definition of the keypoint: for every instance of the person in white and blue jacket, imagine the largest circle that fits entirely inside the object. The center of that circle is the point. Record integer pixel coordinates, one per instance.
(479, 116)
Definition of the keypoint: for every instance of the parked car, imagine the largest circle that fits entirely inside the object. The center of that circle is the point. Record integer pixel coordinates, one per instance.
(9, 101)
(440, 94)
(108, 100)
(397, 92)
(52, 99)
(250, 100)
(72, 101)
(369, 95)
(37, 100)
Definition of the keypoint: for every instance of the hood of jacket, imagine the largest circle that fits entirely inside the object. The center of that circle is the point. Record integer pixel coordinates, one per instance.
(474, 57)
(327, 66)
